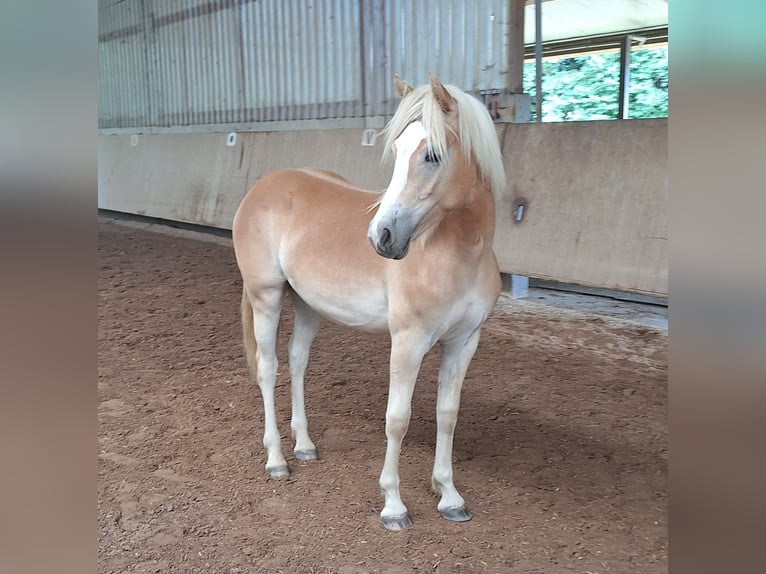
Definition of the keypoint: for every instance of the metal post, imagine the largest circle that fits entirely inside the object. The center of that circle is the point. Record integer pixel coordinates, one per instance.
(539, 59)
(519, 284)
(512, 105)
(515, 78)
(623, 112)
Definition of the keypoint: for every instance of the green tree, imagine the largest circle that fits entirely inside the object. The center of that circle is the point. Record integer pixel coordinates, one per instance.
(648, 83)
(587, 87)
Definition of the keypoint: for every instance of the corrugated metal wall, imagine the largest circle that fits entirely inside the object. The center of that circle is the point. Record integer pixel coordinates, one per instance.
(123, 86)
(165, 63)
(461, 41)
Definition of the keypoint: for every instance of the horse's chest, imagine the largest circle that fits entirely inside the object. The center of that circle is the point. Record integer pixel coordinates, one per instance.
(468, 312)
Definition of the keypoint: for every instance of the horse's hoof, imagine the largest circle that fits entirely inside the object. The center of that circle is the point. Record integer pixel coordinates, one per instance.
(278, 472)
(310, 454)
(459, 514)
(397, 523)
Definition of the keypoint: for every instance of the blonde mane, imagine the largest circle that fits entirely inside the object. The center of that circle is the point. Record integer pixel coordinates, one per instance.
(477, 134)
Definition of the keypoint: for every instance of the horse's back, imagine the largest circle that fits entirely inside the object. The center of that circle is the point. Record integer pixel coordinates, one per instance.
(280, 197)
(326, 174)
(280, 188)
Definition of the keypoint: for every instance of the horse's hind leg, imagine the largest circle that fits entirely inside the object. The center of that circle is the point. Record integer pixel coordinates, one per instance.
(267, 306)
(456, 356)
(306, 325)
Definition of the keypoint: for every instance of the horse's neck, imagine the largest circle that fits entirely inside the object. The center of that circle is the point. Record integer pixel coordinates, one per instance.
(474, 219)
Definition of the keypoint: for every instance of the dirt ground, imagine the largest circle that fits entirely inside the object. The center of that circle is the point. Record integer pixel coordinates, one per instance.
(560, 449)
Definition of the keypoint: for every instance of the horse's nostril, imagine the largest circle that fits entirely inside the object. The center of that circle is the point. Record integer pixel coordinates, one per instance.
(385, 236)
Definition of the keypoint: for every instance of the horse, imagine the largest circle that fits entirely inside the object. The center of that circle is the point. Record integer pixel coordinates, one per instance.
(415, 260)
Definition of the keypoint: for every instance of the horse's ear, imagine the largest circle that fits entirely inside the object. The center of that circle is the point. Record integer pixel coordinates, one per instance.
(402, 87)
(443, 98)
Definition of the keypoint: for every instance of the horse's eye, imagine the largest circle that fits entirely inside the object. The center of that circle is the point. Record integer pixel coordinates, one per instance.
(432, 156)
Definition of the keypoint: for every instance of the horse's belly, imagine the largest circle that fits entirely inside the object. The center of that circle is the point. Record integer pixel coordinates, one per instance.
(364, 309)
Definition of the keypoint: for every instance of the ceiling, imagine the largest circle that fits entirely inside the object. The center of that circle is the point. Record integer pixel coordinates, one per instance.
(578, 18)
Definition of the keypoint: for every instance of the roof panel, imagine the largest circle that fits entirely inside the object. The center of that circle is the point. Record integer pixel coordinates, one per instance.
(577, 18)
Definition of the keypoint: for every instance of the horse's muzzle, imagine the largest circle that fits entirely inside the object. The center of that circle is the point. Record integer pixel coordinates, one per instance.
(391, 234)
(387, 248)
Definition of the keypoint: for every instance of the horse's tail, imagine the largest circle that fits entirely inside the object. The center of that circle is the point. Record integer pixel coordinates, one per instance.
(248, 334)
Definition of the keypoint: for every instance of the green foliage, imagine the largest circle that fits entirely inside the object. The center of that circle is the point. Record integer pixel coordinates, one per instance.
(588, 87)
(649, 83)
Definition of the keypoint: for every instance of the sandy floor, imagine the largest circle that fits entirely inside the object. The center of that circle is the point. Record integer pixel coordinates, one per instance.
(560, 450)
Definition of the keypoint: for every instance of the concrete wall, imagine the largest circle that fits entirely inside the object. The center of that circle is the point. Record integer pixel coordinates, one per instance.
(596, 191)
(597, 204)
(197, 178)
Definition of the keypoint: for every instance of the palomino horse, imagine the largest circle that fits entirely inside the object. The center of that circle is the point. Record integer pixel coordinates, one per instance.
(430, 275)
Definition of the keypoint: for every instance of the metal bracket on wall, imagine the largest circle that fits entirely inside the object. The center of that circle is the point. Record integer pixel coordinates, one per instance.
(369, 136)
(518, 208)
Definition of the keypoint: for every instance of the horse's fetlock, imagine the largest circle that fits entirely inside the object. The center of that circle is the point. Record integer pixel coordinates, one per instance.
(440, 478)
(388, 484)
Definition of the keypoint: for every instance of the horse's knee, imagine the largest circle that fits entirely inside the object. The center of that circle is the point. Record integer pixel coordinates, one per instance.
(298, 360)
(396, 424)
(446, 417)
(267, 371)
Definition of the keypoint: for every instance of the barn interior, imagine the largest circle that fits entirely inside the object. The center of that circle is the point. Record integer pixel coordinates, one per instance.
(197, 101)
(561, 448)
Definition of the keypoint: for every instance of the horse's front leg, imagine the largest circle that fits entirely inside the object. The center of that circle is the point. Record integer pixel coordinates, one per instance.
(407, 351)
(456, 356)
